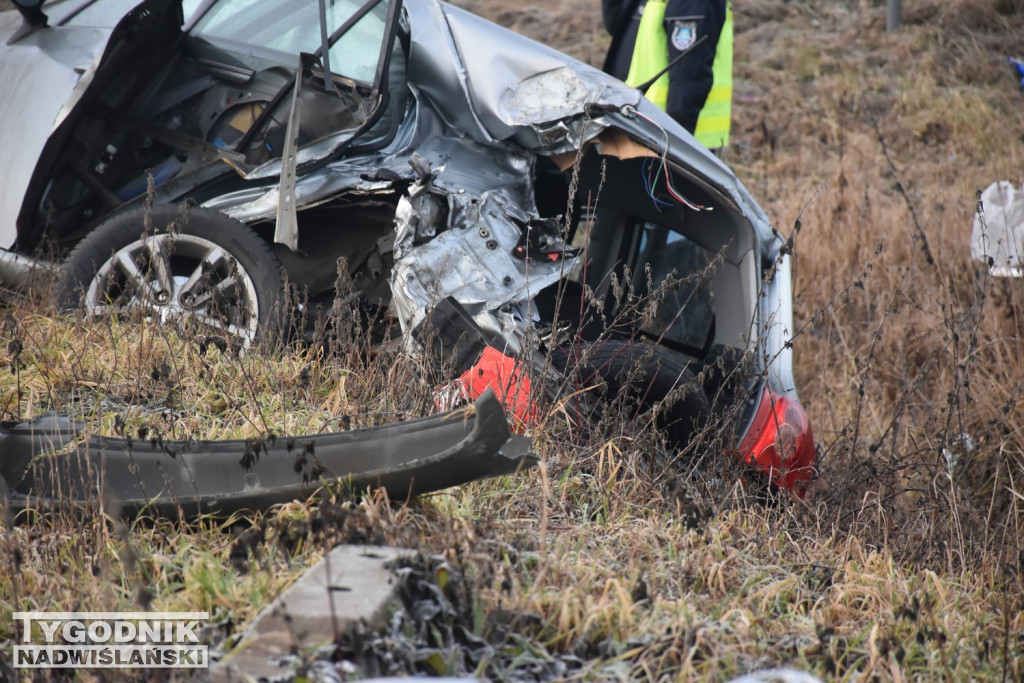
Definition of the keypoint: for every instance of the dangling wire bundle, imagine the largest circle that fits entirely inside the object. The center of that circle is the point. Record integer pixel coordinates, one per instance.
(664, 169)
(647, 170)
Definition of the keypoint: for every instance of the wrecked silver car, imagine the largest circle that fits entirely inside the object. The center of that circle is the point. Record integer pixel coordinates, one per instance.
(520, 214)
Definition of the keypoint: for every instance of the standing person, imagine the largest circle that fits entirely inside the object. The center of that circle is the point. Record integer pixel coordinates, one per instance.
(697, 90)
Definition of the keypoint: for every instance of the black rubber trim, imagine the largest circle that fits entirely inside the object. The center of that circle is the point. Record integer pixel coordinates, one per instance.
(42, 466)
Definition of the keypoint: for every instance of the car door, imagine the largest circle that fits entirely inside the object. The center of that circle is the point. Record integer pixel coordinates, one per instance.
(339, 89)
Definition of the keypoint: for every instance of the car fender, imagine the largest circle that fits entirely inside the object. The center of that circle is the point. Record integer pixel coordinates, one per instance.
(62, 57)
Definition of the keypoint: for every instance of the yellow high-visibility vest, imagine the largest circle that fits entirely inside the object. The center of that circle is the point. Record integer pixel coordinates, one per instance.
(715, 118)
(650, 54)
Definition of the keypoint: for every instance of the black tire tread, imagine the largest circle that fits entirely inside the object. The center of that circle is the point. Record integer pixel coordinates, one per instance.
(125, 227)
(641, 373)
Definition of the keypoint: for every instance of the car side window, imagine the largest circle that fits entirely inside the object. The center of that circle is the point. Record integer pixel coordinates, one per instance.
(289, 27)
(355, 54)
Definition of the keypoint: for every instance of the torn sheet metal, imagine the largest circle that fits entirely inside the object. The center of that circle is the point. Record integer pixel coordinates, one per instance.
(487, 102)
(520, 89)
(466, 251)
(471, 258)
(47, 462)
(473, 263)
(286, 230)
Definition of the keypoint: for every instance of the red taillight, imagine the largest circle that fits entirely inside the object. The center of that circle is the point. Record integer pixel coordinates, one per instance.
(780, 442)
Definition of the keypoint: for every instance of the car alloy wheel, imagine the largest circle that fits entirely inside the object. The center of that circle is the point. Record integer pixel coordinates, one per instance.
(194, 267)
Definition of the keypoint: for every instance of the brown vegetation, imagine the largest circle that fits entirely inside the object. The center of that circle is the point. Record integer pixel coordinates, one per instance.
(868, 148)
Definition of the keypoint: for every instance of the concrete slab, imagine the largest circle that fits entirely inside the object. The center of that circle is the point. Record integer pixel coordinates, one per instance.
(350, 584)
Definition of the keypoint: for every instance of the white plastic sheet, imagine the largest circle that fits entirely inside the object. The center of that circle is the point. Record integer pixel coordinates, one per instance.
(997, 237)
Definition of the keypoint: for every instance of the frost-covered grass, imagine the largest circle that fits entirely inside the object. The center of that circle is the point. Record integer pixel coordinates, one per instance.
(139, 379)
(903, 563)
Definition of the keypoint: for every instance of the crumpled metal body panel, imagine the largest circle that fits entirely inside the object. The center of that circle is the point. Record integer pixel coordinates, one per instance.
(45, 463)
(487, 189)
(487, 102)
(472, 263)
(526, 91)
(64, 64)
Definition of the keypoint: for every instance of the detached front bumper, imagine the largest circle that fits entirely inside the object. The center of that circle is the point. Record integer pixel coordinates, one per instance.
(47, 462)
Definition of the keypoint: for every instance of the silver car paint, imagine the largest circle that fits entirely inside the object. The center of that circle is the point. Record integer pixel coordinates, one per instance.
(537, 99)
(42, 76)
(481, 93)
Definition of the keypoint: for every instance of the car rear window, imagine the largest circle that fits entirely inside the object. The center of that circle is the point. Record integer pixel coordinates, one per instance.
(677, 273)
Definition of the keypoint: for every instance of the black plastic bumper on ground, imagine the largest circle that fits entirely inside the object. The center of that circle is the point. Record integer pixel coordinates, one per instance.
(43, 462)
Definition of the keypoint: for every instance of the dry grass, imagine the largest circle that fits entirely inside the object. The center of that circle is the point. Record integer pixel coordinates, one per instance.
(139, 379)
(883, 178)
(905, 561)
(869, 149)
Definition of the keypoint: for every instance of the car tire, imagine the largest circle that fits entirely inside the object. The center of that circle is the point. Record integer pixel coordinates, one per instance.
(637, 377)
(184, 264)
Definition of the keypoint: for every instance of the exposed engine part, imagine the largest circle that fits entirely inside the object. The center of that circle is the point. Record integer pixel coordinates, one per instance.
(543, 239)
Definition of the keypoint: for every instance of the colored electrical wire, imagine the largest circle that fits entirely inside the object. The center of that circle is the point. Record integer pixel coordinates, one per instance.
(649, 183)
(664, 166)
